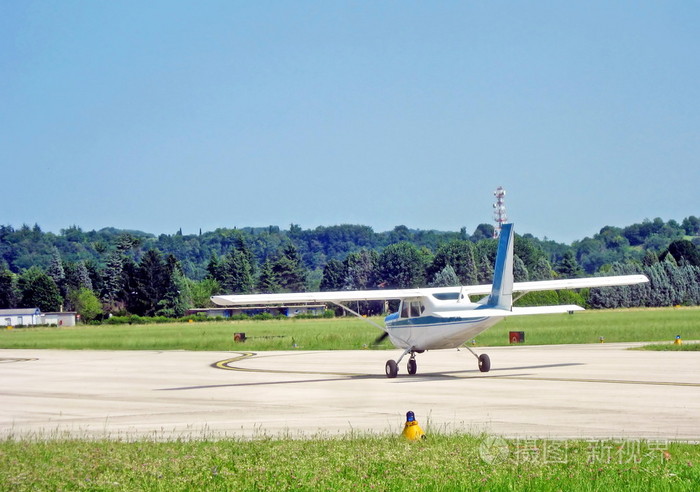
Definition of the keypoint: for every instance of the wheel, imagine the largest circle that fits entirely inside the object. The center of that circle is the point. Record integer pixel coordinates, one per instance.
(484, 363)
(412, 366)
(392, 369)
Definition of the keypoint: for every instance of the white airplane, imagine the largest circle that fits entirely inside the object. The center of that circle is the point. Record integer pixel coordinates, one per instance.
(444, 317)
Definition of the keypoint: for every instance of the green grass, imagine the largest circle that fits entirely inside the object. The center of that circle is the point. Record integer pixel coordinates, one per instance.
(624, 325)
(442, 462)
(670, 347)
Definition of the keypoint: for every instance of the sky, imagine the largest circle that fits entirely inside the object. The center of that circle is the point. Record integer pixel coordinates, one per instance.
(168, 115)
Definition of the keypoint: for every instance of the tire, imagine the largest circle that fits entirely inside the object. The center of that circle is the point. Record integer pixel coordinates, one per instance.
(392, 369)
(412, 366)
(484, 363)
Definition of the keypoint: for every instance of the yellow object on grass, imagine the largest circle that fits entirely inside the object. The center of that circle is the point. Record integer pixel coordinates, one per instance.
(411, 429)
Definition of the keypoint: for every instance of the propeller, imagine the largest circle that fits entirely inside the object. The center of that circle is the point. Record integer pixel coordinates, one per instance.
(380, 338)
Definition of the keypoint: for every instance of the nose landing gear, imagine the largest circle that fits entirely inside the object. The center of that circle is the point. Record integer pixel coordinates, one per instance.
(392, 366)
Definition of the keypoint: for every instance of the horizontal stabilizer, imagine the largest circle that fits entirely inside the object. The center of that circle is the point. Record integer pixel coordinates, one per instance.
(564, 308)
(487, 312)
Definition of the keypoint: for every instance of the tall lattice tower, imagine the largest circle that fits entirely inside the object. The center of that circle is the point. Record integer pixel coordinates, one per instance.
(499, 210)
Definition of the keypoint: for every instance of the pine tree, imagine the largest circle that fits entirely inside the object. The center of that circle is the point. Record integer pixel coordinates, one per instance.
(153, 280)
(568, 267)
(112, 278)
(520, 273)
(267, 282)
(236, 273)
(214, 268)
(177, 298)
(289, 271)
(445, 278)
(83, 276)
(542, 270)
(56, 271)
(333, 276)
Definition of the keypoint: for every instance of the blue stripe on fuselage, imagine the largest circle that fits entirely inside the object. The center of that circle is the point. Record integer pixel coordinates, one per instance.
(431, 321)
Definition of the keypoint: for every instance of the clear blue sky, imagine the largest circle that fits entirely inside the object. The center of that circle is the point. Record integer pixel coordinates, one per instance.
(160, 115)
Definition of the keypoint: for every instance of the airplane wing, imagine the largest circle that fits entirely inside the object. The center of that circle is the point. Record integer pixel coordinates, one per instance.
(392, 294)
(563, 284)
(300, 297)
(580, 283)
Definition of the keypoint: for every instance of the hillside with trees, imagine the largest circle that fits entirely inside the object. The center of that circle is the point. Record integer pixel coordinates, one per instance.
(120, 271)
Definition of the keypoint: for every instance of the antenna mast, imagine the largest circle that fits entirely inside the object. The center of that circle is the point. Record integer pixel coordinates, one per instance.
(499, 210)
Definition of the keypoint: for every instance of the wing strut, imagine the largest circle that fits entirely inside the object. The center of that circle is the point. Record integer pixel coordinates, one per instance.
(359, 315)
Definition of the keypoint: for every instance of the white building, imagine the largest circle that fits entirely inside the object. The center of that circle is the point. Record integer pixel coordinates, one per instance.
(66, 318)
(33, 317)
(20, 316)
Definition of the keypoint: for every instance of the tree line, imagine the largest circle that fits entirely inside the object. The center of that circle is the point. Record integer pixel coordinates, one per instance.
(119, 272)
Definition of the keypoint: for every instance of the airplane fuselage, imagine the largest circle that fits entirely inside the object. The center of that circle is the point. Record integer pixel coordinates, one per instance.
(432, 333)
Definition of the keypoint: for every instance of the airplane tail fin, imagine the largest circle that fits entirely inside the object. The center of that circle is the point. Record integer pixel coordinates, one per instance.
(501, 296)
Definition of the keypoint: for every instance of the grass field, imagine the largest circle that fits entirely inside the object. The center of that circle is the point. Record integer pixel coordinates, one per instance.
(624, 325)
(442, 462)
(669, 347)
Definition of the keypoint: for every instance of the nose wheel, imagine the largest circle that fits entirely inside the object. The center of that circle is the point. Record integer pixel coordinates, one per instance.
(412, 366)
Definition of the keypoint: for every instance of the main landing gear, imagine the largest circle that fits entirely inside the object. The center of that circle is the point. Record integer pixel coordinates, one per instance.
(392, 366)
(484, 361)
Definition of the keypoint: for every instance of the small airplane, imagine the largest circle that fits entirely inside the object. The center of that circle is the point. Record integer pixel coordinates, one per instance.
(444, 317)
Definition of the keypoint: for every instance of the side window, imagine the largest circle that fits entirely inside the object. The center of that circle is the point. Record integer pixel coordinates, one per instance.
(415, 309)
(405, 309)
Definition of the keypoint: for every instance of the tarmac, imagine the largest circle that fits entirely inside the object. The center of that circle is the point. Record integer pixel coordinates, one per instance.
(600, 391)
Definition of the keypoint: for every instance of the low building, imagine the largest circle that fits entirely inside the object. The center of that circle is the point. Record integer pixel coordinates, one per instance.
(289, 311)
(34, 317)
(20, 317)
(59, 319)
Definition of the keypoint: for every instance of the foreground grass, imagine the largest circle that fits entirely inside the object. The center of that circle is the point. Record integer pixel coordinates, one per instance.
(669, 347)
(454, 462)
(623, 325)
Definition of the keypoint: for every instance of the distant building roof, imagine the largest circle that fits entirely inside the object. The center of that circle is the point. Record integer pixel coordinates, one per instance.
(20, 312)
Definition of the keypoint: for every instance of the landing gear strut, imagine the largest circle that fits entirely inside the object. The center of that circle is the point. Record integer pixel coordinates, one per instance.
(484, 361)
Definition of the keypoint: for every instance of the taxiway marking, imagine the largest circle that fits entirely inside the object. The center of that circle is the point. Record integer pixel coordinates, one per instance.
(226, 365)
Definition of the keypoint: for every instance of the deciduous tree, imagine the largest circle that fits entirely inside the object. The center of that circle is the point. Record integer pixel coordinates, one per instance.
(37, 289)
